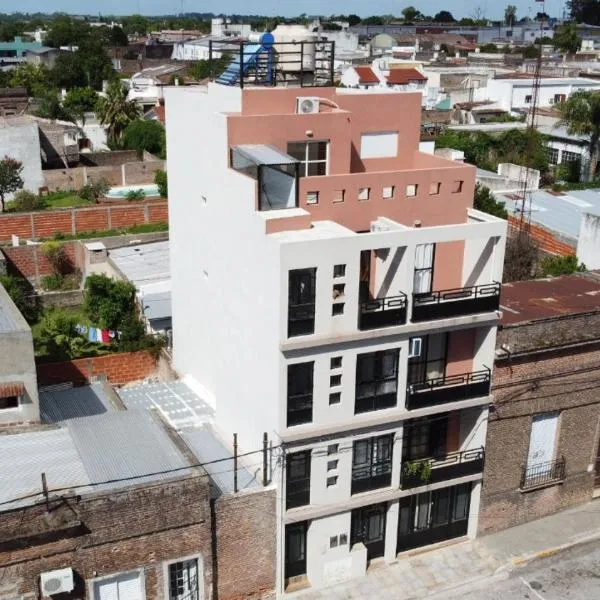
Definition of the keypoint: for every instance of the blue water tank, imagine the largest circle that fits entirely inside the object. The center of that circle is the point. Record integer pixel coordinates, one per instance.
(267, 40)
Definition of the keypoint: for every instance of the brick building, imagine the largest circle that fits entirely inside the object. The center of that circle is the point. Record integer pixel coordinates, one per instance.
(542, 450)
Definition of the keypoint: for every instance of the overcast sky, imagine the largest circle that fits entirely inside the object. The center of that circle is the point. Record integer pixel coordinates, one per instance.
(459, 8)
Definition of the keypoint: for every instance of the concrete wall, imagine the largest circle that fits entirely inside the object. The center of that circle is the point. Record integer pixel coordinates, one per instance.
(588, 242)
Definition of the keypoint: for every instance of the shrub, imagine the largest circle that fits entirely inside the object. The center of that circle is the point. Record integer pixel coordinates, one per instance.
(56, 254)
(22, 295)
(52, 282)
(135, 195)
(560, 265)
(160, 179)
(92, 192)
(25, 200)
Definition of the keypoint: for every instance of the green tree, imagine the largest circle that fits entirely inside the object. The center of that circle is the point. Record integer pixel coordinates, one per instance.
(510, 15)
(566, 39)
(530, 51)
(444, 17)
(553, 266)
(135, 25)
(24, 200)
(411, 14)
(485, 202)
(49, 107)
(93, 191)
(489, 48)
(116, 112)
(66, 31)
(59, 334)
(353, 20)
(585, 11)
(56, 255)
(108, 302)
(11, 179)
(21, 294)
(160, 179)
(580, 114)
(34, 78)
(87, 66)
(143, 134)
(372, 21)
(80, 101)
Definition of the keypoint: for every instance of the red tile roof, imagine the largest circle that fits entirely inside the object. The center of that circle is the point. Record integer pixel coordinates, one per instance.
(403, 76)
(366, 75)
(11, 388)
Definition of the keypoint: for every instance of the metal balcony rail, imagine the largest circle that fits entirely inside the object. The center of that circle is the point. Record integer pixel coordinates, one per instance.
(442, 468)
(544, 473)
(371, 477)
(383, 312)
(456, 302)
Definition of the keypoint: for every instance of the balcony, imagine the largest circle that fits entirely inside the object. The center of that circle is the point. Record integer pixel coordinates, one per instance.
(441, 468)
(301, 319)
(365, 479)
(450, 388)
(456, 303)
(543, 474)
(382, 312)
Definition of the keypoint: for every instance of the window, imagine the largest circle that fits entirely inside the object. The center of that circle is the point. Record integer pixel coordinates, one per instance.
(431, 363)
(339, 271)
(338, 195)
(541, 467)
(434, 188)
(331, 481)
(424, 438)
(382, 144)
(335, 380)
(332, 465)
(297, 479)
(333, 541)
(183, 580)
(388, 192)
(558, 98)
(332, 449)
(335, 362)
(300, 393)
(301, 302)
(312, 197)
(343, 539)
(124, 586)
(423, 275)
(376, 381)
(338, 290)
(411, 190)
(570, 156)
(457, 187)
(364, 193)
(9, 402)
(295, 549)
(337, 309)
(335, 398)
(552, 155)
(312, 157)
(528, 99)
(372, 463)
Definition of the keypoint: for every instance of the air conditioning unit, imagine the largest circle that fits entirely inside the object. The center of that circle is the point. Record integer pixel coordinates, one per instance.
(414, 347)
(306, 105)
(57, 582)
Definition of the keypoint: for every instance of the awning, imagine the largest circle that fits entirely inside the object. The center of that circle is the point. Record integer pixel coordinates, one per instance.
(11, 388)
(263, 154)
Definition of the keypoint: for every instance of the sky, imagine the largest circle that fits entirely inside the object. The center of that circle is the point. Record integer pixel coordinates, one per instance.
(459, 8)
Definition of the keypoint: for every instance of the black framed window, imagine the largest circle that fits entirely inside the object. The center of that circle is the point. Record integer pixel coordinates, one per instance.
(432, 361)
(372, 463)
(312, 157)
(376, 380)
(425, 438)
(301, 301)
(295, 549)
(183, 580)
(300, 393)
(297, 479)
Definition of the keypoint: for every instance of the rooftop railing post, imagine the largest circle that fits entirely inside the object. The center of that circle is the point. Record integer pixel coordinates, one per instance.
(235, 463)
(265, 450)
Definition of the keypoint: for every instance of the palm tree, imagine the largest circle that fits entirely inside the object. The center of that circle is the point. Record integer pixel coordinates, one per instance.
(580, 114)
(116, 112)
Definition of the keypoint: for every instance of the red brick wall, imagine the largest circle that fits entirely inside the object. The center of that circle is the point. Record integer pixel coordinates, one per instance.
(31, 262)
(70, 221)
(119, 368)
(548, 242)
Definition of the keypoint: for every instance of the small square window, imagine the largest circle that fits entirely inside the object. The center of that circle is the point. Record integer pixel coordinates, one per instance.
(339, 270)
(331, 481)
(333, 541)
(338, 195)
(312, 197)
(338, 290)
(343, 539)
(332, 449)
(335, 380)
(388, 192)
(364, 193)
(434, 188)
(411, 190)
(335, 398)
(332, 464)
(457, 187)
(337, 309)
(335, 362)
(528, 99)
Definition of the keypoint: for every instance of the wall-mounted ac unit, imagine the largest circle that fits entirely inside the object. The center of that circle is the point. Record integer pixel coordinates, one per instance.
(306, 105)
(57, 582)
(414, 347)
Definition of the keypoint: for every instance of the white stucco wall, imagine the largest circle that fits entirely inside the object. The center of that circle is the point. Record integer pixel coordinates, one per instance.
(588, 243)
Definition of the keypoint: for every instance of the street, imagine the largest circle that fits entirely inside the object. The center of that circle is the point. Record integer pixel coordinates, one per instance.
(573, 574)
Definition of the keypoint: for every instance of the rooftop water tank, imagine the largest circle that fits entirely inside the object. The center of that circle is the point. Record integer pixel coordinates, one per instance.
(292, 53)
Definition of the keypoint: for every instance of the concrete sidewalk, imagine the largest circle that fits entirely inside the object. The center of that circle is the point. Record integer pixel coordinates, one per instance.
(430, 572)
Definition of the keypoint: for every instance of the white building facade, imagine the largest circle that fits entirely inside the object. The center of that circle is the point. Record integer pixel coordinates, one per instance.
(333, 287)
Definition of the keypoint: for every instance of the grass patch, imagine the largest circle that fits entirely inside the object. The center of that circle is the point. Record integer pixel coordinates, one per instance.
(565, 186)
(64, 200)
(84, 235)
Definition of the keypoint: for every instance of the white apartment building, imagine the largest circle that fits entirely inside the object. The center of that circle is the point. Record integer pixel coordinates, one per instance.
(333, 287)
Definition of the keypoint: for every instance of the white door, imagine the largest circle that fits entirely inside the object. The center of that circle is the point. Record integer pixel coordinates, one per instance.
(543, 439)
(125, 586)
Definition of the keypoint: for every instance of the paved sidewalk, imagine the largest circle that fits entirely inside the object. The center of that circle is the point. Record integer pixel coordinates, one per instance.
(469, 562)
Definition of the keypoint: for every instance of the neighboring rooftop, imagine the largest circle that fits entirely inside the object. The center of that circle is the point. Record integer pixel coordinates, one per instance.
(143, 264)
(404, 76)
(85, 401)
(11, 319)
(524, 301)
(366, 75)
(562, 133)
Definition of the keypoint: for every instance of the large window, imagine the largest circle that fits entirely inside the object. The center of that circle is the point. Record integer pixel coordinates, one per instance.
(372, 463)
(295, 549)
(425, 438)
(570, 156)
(311, 155)
(298, 479)
(542, 465)
(183, 580)
(301, 301)
(423, 275)
(376, 380)
(552, 155)
(431, 362)
(300, 393)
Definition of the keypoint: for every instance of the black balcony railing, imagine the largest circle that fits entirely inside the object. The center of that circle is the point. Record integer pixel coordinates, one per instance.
(382, 312)
(449, 388)
(371, 477)
(542, 474)
(301, 319)
(455, 303)
(441, 468)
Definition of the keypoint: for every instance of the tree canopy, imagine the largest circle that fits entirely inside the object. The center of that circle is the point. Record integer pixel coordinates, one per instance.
(108, 302)
(444, 17)
(11, 179)
(566, 39)
(88, 66)
(510, 15)
(585, 11)
(143, 134)
(116, 112)
(80, 100)
(485, 201)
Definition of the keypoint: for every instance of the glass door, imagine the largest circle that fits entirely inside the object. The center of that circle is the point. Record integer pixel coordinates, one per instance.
(295, 549)
(368, 527)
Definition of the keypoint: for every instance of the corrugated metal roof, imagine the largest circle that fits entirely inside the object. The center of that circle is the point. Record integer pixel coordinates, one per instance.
(203, 442)
(143, 264)
(263, 154)
(27, 455)
(157, 305)
(62, 405)
(175, 400)
(129, 444)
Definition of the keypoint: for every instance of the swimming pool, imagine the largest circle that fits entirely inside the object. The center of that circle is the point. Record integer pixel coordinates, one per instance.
(150, 190)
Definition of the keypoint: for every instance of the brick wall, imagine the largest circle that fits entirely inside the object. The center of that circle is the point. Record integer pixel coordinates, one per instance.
(108, 533)
(119, 368)
(547, 240)
(71, 221)
(246, 548)
(31, 263)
